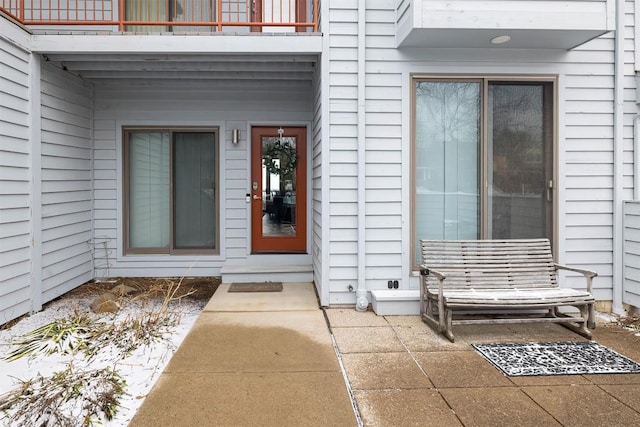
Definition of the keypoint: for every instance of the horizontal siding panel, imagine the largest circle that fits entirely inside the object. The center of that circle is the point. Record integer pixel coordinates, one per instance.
(65, 186)
(343, 235)
(343, 273)
(65, 163)
(9, 173)
(65, 208)
(15, 269)
(9, 201)
(383, 273)
(15, 187)
(384, 248)
(348, 248)
(383, 221)
(14, 305)
(384, 208)
(16, 229)
(15, 160)
(385, 235)
(590, 194)
(577, 207)
(13, 244)
(69, 196)
(14, 214)
(589, 220)
(62, 259)
(68, 279)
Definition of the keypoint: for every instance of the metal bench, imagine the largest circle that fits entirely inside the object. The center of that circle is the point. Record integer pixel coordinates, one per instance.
(506, 281)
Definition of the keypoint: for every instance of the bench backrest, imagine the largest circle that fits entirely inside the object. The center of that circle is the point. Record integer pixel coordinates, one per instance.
(478, 264)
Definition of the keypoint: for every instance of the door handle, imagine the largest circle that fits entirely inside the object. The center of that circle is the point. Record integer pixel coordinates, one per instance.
(549, 189)
(255, 197)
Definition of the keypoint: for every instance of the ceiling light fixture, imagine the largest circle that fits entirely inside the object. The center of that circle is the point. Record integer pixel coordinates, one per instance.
(500, 39)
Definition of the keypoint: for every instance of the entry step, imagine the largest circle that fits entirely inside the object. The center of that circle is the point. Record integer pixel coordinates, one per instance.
(266, 273)
(390, 302)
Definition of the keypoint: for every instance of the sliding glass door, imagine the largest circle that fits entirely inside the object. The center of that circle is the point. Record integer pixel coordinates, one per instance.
(169, 11)
(171, 201)
(483, 159)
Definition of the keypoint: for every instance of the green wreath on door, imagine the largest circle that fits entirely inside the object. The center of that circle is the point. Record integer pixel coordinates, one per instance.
(283, 151)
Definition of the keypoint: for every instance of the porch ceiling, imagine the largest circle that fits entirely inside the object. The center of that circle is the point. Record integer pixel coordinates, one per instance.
(225, 70)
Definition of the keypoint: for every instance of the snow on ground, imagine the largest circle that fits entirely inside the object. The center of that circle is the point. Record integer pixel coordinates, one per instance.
(140, 369)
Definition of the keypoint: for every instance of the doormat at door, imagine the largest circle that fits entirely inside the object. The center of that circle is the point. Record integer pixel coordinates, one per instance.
(556, 358)
(256, 287)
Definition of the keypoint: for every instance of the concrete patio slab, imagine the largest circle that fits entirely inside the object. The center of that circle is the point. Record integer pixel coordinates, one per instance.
(404, 408)
(343, 317)
(583, 405)
(294, 297)
(412, 321)
(257, 342)
(460, 369)
(629, 394)
(247, 399)
(550, 380)
(496, 407)
(367, 340)
(377, 371)
(615, 379)
(417, 338)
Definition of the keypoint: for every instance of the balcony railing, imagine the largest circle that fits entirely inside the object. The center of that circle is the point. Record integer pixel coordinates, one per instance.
(169, 15)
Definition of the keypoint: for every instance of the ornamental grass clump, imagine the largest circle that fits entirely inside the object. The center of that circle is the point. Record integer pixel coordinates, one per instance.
(72, 397)
(64, 336)
(81, 332)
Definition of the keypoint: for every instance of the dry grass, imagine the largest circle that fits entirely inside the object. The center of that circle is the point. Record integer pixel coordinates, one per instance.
(630, 322)
(83, 396)
(71, 397)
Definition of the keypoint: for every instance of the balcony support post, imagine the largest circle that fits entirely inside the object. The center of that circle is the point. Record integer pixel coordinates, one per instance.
(121, 15)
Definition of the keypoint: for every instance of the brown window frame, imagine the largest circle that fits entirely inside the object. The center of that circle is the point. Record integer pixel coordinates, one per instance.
(484, 80)
(171, 249)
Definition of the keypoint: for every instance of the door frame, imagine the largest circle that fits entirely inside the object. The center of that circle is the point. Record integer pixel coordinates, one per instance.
(278, 244)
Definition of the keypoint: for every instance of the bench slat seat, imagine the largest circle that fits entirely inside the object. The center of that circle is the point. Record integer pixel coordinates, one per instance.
(499, 274)
(531, 297)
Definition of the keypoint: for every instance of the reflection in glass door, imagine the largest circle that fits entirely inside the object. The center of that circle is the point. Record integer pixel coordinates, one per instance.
(520, 136)
(483, 160)
(278, 189)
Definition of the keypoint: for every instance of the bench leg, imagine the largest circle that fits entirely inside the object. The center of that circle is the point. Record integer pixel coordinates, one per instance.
(591, 322)
(446, 325)
(443, 321)
(580, 327)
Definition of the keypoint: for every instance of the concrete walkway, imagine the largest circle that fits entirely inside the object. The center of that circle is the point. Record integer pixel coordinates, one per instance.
(253, 359)
(267, 359)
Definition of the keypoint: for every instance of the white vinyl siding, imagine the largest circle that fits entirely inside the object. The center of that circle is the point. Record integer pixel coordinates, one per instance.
(66, 182)
(316, 216)
(584, 143)
(342, 147)
(15, 177)
(631, 290)
(175, 105)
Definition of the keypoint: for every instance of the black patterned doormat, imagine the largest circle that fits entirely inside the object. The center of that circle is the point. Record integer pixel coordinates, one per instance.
(256, 287)
(556, 358)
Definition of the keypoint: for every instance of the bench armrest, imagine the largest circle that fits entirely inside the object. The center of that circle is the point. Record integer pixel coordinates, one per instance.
(425, 271)
(588, 274)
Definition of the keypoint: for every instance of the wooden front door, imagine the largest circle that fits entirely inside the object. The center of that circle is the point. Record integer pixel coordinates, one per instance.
(278, 189)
